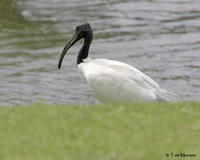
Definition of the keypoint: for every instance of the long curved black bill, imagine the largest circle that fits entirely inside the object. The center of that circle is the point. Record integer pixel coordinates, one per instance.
(70, 43)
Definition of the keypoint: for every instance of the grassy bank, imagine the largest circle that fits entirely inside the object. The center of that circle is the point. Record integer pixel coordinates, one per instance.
(121, 132)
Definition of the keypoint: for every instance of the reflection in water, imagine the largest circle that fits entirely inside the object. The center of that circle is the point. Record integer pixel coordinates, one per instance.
(161, 38)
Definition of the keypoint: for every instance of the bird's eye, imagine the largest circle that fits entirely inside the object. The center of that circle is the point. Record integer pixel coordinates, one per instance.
(80, 33)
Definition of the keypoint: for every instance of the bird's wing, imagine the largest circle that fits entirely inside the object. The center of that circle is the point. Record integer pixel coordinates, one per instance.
(132, 73)
(126, 73)
(162, 94)
(113, 81)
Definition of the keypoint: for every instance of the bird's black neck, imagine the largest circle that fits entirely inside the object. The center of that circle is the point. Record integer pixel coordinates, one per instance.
(83, 53)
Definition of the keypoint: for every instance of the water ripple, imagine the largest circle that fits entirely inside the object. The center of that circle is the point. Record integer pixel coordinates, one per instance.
(161, 38)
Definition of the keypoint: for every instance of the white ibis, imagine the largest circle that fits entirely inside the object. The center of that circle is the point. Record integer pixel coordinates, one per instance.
(113, 81)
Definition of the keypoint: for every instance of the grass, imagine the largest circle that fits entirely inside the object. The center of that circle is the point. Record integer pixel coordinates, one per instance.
(105, 132)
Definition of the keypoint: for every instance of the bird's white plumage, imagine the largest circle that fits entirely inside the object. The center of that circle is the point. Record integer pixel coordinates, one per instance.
(113, 81)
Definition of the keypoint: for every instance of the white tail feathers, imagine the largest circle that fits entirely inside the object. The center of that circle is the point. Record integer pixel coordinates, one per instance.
(165, 96)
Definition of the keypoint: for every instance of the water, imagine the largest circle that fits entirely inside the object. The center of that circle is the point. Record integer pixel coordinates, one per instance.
(161, 38)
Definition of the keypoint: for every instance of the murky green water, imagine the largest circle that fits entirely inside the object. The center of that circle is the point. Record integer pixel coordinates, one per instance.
(161, 38)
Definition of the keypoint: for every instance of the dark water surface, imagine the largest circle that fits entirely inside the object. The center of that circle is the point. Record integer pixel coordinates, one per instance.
(161, 38)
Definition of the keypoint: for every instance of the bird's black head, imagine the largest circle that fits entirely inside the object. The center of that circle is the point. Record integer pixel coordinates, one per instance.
(82, 31)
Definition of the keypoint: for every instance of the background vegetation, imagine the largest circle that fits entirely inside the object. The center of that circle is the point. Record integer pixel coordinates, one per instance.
(122, 132)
